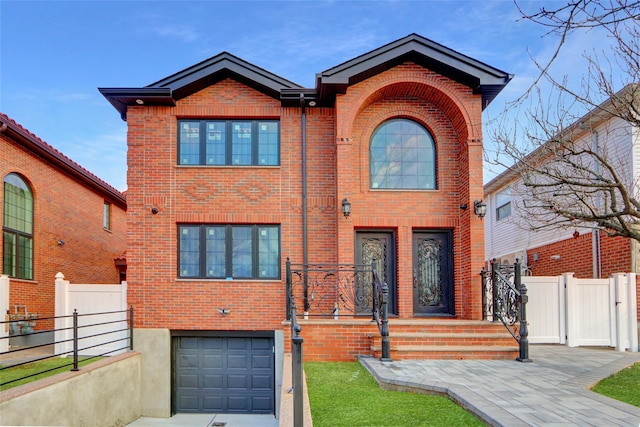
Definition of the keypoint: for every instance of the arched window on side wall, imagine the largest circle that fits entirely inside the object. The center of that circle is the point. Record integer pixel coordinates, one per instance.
(402, 156)
(17, 227)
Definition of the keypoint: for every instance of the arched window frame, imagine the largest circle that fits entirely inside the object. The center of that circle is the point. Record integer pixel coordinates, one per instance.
(17, 227)
(409, 166)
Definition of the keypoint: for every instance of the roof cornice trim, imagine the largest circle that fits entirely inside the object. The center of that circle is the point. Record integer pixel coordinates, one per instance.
(40, 148)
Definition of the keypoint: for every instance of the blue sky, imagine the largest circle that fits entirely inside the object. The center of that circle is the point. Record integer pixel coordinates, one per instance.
(55, 54)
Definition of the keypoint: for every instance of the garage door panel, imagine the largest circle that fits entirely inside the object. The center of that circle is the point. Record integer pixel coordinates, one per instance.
(213, 404)
(212, 343)
(261, 404)
(213, 382)
(212, 361)
(189, 343)
(237, 361)
(239, 344)
(188, 381)
(237, 382)
(224, 374)
(261, 382)
(188, 360)
(261, 361)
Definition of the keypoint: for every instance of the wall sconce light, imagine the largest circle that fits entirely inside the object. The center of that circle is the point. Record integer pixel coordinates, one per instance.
(224, 311)
(479, 208)
(60, 242)
(346, 207)
(154, 211)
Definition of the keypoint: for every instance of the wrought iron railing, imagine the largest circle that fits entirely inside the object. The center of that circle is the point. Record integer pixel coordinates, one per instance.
(338, 291)
(505, 299)
(92, 339)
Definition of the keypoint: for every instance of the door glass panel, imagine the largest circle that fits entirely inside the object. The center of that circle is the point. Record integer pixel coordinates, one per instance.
(429, 273)
(372, 249)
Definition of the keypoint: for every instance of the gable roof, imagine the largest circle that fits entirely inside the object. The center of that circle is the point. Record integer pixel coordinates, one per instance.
(49, 154)
(480, 77)
(197, 77)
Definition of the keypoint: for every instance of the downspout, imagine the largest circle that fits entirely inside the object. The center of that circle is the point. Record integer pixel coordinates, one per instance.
(305, 250)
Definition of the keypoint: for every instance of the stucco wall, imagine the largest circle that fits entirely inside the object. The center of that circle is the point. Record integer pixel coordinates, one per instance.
(104, 393)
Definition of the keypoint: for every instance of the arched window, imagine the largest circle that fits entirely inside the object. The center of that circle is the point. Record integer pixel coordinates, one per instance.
(17, 227)
(402, 156)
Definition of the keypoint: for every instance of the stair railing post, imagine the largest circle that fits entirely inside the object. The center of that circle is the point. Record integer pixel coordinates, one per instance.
(386, 346)
(297, 380)
(522, 299)
(496, 290)
(131, 328)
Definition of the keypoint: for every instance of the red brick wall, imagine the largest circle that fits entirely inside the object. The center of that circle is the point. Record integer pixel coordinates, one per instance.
(337, 167)
(576, 256)
(68, 210)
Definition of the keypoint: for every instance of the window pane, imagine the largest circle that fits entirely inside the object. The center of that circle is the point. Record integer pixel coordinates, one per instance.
(189, 251)
(216, 143)
(268, 135)
(18, 205)
(268, 252)
(241, 143)
(402, 155)
(106, 216)
(189, 143)
(242, 250)
(9, 252)
(216, 252)
(25, 261)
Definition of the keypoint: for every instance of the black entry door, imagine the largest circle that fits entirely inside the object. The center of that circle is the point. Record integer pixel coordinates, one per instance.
(433, 274)
(381, 247)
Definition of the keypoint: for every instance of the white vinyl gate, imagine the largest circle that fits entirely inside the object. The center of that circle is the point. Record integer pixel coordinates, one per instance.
(583, 312)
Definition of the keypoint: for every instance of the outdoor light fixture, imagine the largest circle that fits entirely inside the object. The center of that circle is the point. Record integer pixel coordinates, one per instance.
(479, 208)
(139, 101)
(346, 207)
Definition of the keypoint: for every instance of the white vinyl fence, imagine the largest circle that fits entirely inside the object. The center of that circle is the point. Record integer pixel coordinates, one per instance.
(583, 312)
(4, 312)
(86, 299)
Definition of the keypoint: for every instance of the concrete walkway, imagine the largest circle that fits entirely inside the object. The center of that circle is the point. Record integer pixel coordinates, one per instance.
(553, 390)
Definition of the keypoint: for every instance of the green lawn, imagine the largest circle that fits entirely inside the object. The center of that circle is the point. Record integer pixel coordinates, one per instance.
(56, 364)
(345, 394)
(623, 386)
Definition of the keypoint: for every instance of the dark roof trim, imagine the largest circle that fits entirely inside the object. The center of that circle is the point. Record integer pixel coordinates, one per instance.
(480, 77)
(195, 78)
(40, 148)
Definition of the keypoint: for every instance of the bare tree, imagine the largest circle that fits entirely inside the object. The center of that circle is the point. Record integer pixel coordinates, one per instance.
(573, 152)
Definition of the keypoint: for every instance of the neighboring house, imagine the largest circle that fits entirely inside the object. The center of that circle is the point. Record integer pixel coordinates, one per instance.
(587, 252)
(233, 170)
(57, 217)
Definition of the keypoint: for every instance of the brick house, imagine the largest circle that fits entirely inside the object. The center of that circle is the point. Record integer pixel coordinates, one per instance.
(233, 170)
(57, 217)
(587, 252)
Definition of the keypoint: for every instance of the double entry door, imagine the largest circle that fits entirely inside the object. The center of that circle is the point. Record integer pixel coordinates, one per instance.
(432, 268)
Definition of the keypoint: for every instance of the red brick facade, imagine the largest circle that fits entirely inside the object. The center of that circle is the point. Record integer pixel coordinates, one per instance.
(66, 208)
(338, 134)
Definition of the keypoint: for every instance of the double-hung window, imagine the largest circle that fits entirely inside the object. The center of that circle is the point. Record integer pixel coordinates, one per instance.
(503, 203)
(212, 251)
(17, 227)
(229, 142)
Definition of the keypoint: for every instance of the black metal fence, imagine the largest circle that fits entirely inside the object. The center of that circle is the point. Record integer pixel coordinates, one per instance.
(504, 298)
(90, 337)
